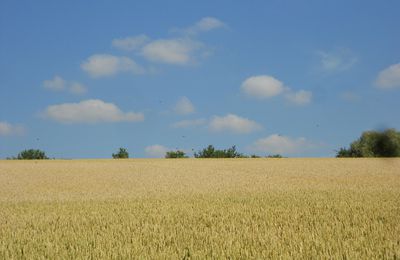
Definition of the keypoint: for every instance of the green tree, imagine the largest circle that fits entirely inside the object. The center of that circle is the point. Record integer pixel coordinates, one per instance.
(274, 156)
(32, 154)
(121, 154)
(374, 144)
(211, 152)
(175, 154)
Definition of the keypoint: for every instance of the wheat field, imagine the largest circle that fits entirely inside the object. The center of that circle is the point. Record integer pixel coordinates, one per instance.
(200, 209)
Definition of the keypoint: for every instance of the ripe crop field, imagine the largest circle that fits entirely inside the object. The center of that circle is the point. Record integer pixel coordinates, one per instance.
(200, 208)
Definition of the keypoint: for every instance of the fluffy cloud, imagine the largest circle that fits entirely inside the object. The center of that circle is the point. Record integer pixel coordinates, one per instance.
(90, 111)
(389, 78)
(337, 60)
(104, 65)
(277, 144)
(7, 129)
(233, 123)
(184, 106)
(300, 97)
(263, 86)
(130, 43)
(77, 88)
(156, 151)
(55, 84)
(176, 51)
(204, 25)
(189, 123)
(59, 84)
(171, 51)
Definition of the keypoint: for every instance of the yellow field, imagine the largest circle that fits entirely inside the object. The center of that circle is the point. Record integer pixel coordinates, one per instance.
(200, 208)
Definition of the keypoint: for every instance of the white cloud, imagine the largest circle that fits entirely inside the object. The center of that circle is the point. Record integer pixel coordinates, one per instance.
(204, 25)
(277, 144)
(130, 43)
(7, 129)
(184, 106)
(233, 123)
(337, 60)
(77, 88)
(171, 51)
(59, 84)
(301, 97)
(104, 65)
(90, 111)
(262, 86)
(389, 78)
(208, 23)
(156, 151)
(189, 123)
(55, 84)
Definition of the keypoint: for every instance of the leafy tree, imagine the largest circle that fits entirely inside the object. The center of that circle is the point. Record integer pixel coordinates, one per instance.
(32, 154)
(121, 154)
(374, 144)
(211, 152)
(275, 156)
(176, 154)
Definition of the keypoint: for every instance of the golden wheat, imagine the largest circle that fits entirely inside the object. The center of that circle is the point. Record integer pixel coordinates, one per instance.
(200, 208)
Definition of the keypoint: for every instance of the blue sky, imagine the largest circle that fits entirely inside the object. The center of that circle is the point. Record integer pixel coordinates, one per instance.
(79, 79)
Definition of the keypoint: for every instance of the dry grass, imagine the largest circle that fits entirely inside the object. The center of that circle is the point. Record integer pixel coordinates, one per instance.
(198, 208)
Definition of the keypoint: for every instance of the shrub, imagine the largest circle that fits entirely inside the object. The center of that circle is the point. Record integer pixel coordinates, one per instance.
(374, 144)
(211, 152)
(32, 154)
(275, 156)
(176, 154)
(121, 154)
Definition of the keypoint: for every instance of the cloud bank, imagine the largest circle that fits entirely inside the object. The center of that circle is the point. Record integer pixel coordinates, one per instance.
(284, 145)
(389, 78)
(156, 151)
(7, 129)
(234, 124)
(184, 106)
(106, 65)
(90, 111)
(265, 87)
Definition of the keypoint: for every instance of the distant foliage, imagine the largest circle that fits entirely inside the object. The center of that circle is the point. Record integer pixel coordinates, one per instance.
(274, 156)
(31, 154)
(121, 154)
(374, 144)
(175, 154)
(211, 152)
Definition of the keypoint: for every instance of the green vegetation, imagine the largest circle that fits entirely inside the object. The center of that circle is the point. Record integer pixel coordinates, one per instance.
(121, 154)
(211, 152)
(374, 144)
(275, 156)
(30, 154)
(176, 154)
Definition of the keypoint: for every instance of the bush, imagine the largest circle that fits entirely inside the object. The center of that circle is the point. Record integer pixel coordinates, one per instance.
(122, 154)
(176, 154)
(275, 156)
(32, 154)
(374, 144)
(211, 152)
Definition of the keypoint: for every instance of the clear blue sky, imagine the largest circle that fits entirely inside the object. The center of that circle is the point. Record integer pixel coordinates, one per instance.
(79, 79)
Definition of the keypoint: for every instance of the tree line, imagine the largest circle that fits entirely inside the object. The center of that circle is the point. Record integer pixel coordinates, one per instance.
(384, 143)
